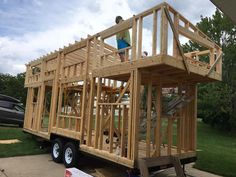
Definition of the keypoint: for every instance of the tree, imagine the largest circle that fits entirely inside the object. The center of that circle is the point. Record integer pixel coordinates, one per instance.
(217, 101)
(13, 86)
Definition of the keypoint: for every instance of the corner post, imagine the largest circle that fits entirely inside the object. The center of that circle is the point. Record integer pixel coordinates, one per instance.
(164, 32)
(136, 107)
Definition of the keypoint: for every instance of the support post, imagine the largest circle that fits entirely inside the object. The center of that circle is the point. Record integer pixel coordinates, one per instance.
(140, 36)
(101, 128)
(176, 26)
(90, 117)
(136, 108)
(54, 94)
(28, 114)
(123, 130)
(195, 119)
(130, 122)
(169, 135)
(179, 123)
(158, 123)
(149, 109)
(85, 86)
(97, 121)
(154, 33)
(111, 131)
(134, 39)
(164, 32)
(40, 108)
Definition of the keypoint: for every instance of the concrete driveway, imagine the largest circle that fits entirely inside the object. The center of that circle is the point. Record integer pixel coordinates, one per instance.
(43, 166)
(31, 166)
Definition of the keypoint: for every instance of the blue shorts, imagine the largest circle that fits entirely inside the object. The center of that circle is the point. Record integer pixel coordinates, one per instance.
(122, 44)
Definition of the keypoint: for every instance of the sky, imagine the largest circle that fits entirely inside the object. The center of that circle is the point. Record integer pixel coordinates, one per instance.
(32, 28)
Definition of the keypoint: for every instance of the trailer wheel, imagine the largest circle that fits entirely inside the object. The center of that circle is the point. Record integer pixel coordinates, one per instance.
(70, 155)
(56, 150)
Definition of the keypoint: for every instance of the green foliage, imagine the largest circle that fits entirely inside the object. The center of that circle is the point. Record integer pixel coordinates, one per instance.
(216, 151)
(13, 86)
(214, 104)
(217, 101)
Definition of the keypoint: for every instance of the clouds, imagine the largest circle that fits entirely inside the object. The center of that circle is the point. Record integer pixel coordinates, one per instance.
(76, 21)
(30, 29)
(189, 9)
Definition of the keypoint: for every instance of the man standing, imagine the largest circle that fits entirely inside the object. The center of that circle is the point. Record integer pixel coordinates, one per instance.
(123, 40)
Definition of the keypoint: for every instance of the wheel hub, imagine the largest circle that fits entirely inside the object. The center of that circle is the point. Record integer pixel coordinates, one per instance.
(56, 150)
(68, 155)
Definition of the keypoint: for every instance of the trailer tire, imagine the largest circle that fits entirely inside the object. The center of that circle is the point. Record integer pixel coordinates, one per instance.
(57, 150)
(70, 155)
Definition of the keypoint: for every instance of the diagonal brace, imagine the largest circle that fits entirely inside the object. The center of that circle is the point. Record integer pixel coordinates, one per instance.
(214, 64)
(176, 38)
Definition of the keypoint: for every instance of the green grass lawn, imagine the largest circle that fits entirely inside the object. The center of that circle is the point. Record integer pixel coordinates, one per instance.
(27, 146)
(217, 151)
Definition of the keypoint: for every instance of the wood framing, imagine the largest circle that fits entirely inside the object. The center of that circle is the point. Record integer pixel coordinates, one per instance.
(87, 94)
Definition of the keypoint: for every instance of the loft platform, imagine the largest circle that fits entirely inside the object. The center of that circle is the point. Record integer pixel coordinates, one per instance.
(171, 70)
(85, 93)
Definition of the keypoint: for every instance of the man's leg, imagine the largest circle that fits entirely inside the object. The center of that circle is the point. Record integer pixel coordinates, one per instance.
(122, 57)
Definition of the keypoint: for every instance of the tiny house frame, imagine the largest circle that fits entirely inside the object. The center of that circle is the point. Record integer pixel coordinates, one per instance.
(85, 93)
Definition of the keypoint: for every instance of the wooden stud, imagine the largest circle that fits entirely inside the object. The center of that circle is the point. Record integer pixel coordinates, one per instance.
(97, 120)
(90, 118)
(192, 119)
(195, 119)
(40, 108)
(101, 61)
(28, 102)
(187, 122)
(59, 104)
(164, 32)
(179, 123)
(35, 111)
(111, 130)
(182, 126)
(140, 36)
(175, 45)
(136, 108)
(55, 89)
(154, 33)
(85, 86)
(219, 64)
(30, 108)
(101, 128)
(158, 123)
(134, 39)
(123, 132)
(212, 56)
(129, 146)
(149, 107)
(119, 118)
(169, 135)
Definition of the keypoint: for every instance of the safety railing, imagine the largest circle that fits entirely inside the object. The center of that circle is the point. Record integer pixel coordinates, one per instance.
(168, 28)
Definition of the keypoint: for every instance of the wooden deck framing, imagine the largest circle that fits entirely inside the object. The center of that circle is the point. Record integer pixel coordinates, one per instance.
(84, 92)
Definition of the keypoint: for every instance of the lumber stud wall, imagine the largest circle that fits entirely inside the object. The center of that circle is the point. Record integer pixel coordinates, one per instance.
(73, 92)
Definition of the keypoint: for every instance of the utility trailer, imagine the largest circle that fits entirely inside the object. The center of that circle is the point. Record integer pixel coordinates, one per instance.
(83, 98)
